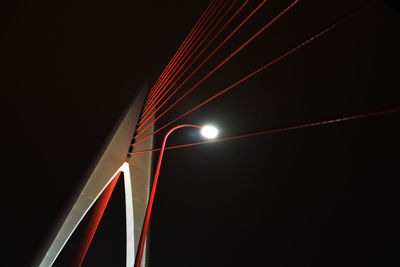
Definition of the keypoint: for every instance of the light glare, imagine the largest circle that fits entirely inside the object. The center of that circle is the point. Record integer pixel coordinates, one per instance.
(209, 131)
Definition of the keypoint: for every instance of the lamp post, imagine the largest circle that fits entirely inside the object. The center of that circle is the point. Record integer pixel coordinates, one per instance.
(206, 131)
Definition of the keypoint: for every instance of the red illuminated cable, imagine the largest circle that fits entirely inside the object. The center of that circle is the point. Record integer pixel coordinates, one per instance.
(189, 53)
(205, 60)
(199, 21)
(186, 47)
(192, 43)
(284, 129)
(163, 92)
(142, 123)
(181, 47)
(194, 60)
(94, 220)
(277, 59)
(222, 63)
(184, 51)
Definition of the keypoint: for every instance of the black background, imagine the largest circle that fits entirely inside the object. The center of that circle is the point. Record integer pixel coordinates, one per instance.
(322, 196)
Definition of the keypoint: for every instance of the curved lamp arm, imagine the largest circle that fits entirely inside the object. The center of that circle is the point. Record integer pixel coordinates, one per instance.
(152, 193)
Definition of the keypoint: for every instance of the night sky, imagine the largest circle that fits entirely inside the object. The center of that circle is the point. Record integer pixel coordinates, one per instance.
(321, 196)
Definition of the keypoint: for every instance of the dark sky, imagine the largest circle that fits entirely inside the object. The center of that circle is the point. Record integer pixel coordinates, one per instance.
(323, 196)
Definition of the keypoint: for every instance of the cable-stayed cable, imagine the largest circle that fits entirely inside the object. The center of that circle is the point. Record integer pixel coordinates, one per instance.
(184, 48)
(222, 63)
(182, 45)
(188, 54)
(284, 129)
(191, 42)
(144, 116)
(270, 63)
(203, 62)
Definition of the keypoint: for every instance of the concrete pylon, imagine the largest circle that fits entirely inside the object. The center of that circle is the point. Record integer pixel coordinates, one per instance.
(111, 160)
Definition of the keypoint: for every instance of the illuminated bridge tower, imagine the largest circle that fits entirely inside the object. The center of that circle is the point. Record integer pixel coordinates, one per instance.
(112, 160)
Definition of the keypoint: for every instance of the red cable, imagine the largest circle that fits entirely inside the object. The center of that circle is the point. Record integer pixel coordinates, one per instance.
(194, 35)
(220, 64)
(277, 59)
(157, 99)
(182, 45)
(199, 21)
(94, 221)
(205, 38)
(204, 61)
(182, 48)
(188, 67)
(283, 129)
(188, 54)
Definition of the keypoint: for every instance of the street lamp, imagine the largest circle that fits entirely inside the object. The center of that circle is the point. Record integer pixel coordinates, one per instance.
(206, 131)
(209, 131)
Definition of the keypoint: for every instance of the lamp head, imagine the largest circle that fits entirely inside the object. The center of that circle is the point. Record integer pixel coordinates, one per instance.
(209, 131)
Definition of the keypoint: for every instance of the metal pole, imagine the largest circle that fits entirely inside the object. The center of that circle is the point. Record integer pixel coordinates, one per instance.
(152, 193)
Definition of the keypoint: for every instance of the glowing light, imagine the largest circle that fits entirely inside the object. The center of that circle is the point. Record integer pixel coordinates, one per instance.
(209, 132)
